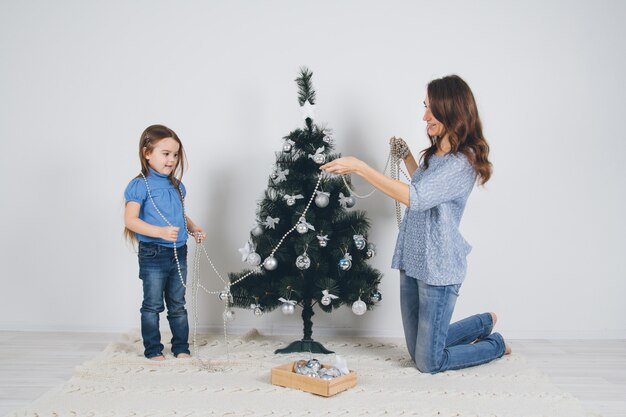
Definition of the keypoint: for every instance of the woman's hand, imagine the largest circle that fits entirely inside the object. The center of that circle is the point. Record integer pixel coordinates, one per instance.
(344, 165)
(399, 148)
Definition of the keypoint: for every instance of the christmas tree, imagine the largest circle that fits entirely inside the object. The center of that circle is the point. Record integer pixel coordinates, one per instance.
(308, 247)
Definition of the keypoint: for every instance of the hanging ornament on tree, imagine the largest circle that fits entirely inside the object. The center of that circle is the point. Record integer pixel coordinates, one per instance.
(291, 199)
(371, 251)
(359, 242)
(274, 175)
(322, 199)
(327, 298)
(302, 227)
(358, 307)
(345, 263)
(323, 240)
(257, 230)
(288, 146)
(271, 222)
(270, 263)
(288, 307)
(346, 201)
(376, 297)
(228, 315)
(318, 157)
(249, 255)
(258, 309)
(303, 261)
(281, 175)
(226, 295)
(328, 135)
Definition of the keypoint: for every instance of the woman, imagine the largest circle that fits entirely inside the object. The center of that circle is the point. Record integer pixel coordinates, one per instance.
(430, 251)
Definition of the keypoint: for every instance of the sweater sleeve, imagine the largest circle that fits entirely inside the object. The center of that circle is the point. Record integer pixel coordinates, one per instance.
(448, 182)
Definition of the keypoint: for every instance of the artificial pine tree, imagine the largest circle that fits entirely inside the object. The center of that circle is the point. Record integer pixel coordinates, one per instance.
(308, 247)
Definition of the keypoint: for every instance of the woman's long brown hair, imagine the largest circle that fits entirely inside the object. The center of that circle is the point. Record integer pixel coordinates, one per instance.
(452, 103)
(148, 140)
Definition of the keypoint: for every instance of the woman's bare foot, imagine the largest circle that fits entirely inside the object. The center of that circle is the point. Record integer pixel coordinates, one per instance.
(494, 319)
(507, 349)
(183, 355)
(158, 358)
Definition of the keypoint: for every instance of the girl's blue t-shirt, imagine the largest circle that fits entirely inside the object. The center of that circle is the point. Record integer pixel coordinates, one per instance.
(167, 199)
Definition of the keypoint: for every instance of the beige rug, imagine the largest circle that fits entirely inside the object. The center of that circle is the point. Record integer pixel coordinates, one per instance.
(120, 382)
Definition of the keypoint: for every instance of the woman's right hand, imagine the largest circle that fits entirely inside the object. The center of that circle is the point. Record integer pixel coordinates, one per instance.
(399, 148)
(169, 233)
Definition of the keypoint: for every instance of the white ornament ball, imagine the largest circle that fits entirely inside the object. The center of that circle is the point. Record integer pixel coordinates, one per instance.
(326, 300)
(302, 228)
(288, 309)
(287, 147)
(323, 243)
(359, 308)
(345, 264)
(303, 262)
(322, 200)
(319, 158)
(254, 259)
(350, 201)
(291, 201)
(228, 315)
(257, 231)
(270, 263)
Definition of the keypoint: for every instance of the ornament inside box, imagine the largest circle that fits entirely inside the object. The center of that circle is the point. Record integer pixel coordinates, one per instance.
(285, 376)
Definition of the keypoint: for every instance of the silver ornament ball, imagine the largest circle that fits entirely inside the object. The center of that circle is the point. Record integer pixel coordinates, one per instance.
(258, 311)
(319, 158)
(270, 263)
(350, 202)
(323, 243)
(257, 231)
(288, 309)
(360, 242)
(291, 201)
(302, 228)
(303, 262)
(287, 147)
(273, 175)
(359, 307)
(376, 297)
(254, 259)
(326, 300)
(322, 200)
(345, 264)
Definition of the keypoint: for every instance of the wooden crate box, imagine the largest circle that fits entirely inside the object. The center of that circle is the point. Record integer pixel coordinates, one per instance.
(284, 376)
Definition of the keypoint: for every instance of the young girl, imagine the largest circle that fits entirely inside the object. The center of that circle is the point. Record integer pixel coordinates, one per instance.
(155, 216)
(430, 251)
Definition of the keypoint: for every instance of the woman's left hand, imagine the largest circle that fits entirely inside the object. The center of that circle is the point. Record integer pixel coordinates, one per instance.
(344, 165)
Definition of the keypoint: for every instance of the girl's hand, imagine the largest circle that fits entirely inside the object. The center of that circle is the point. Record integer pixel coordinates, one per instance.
(344, 165)
(198, 234)
(169, 233)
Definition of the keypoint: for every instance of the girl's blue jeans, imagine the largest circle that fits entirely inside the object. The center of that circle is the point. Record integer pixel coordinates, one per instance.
(435, 344)
(162, 286)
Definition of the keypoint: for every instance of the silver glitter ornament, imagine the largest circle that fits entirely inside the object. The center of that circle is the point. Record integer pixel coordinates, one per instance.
(225, 295)
(319, 158)
(303, 261)
(323, 243)
(371, 251)
(302, 228)
(274, 175)
(376, 297)
(350, 201)
(228, 315)
(314, 365)
(359, 307)
(288, 309)
(258, 311)
(345, 264)
(287, 147)
(270, 263)
(359, 242)
(322, 200)
(326, 300)
(257, 231)
(254, 259)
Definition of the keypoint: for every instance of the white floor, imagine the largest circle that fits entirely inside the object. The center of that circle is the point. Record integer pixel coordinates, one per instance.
(593, 370)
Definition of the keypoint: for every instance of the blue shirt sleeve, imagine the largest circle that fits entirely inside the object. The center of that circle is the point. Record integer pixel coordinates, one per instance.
(136, 191)
(452, 180)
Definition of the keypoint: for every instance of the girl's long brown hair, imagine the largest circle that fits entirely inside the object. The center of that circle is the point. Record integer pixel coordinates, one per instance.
(148, 140)
(452, 103)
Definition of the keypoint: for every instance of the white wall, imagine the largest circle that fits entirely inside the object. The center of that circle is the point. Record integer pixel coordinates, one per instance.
(80, 80)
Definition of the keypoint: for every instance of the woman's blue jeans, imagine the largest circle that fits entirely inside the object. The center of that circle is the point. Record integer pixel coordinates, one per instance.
(436, 345)
(161, 282)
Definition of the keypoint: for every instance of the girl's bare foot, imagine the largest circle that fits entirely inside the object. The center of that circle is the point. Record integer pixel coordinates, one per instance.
(183, 355)
(158, 358)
